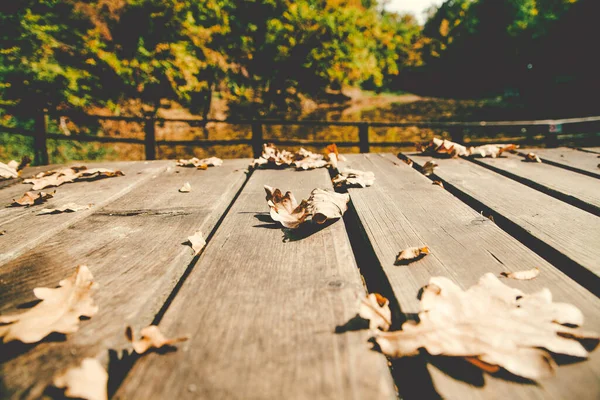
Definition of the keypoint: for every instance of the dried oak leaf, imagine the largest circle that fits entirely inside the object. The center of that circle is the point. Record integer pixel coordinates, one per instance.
(354, 178)
(324, 205)
(197, 241)
(200, 163)
(376, 309)
(9, 171)
(58, 312)
(68, 208)
(301, 159)
(305, 160)
(411, 254)
(68, 175)
(88, 381)
(151, 338)
(491, 150)
(285, 208)
(442, 147)
(428, 167)
(186, 188)
(522, 275)
(31, 198)
(532, 157)
(492, 323)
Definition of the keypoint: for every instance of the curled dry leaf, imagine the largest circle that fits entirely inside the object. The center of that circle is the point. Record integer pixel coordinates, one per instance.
(408, 161)
(354, 178)
(58, 312)
(285, 208)
(151, 338)
(200, 163)
(494, 324)
(428, 167)
(410, 254)
(532, 157)
(376, 309)
(441, 147)
(522, 275)
(8, 171)
(301, 159)
(69, 208)
(31, 198)
(324, 205)
(88, 381)
(439, 183)
(68, 175)
(333, 155)
(186, 188)
(197, 242)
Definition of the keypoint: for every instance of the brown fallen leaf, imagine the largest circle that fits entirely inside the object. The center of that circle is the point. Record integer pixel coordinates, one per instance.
(493, 323)
(152, 338)
(324, 205)
(285, 209)
(272, 157)
(68, 208)
(522, 275)
(408, 161)
(59, 311)
(200, 163)
(87, 381)
(353, 178)
(31, 198)
(69, 175)
(197, 242)
(439, 183)
(333, 155)
(532, 157)
(411, 254)
(305, 160)
(428, 167)
(186, 188)
(376, 309)
(442, 147)
(2, 233)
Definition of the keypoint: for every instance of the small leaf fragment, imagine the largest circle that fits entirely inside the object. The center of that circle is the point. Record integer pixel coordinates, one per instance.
(439, 183)
(408, 161)
(354, 178)
(428, 167)
(151, 338)
(67, 208)
(532, 157)
(59, 311)
(88, 381)
(376, 309)
(186, 188)
(324, 205)
(31, 198)
(197, 242)
(522, 275)
(410, 254)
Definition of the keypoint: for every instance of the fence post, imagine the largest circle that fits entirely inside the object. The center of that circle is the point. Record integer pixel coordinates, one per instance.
(257, 139)
(39, 140)
(150, 137)
(363, 137)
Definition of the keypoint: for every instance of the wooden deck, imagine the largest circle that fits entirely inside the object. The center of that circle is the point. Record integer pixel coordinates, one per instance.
(261, 306)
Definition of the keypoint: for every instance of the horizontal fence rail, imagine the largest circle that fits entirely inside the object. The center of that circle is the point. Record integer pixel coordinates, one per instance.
(550, 130)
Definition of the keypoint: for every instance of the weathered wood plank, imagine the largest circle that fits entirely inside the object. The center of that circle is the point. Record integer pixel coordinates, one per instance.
(25, 229)
(27, 172)
(561, 233)
(404, 209)
(579, 190)
(589, 149)
(262, 312)
(134, 247)
(575, 160)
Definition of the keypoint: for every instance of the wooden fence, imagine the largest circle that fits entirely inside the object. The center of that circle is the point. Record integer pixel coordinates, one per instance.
(547, 132)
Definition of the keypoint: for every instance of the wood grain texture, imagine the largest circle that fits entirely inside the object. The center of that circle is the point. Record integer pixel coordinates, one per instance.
(404, 209)
(262, 311)
(25, 229)
(575, 160)
(582, 191)
(134, 247)
(572, 233)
